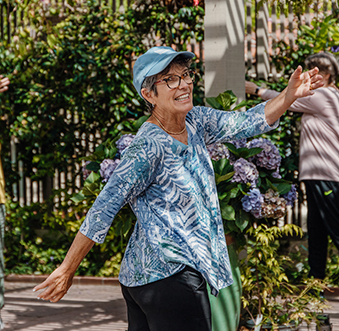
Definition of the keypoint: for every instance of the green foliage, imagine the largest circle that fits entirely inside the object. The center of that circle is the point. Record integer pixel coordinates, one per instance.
(74, 80)
(321, 36)
(267, 291)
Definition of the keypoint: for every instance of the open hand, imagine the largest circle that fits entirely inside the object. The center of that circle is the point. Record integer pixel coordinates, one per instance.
(301, 84)
(4, 82)
(55, 286)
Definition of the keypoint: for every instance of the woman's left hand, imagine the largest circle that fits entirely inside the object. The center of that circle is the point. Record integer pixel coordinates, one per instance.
(302, 84)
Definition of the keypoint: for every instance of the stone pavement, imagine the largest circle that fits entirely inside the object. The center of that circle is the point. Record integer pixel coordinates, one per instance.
(85, 308)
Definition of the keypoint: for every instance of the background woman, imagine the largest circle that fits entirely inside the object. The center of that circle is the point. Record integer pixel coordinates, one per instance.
(166, 175)
(319, 157)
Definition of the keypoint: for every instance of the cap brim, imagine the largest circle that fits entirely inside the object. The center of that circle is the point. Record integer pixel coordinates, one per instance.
(158, 67)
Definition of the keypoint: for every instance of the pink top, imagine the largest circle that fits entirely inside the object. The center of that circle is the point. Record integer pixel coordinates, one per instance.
(319, 141)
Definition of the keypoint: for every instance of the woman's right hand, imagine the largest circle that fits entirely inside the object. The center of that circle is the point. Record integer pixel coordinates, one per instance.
(60, 280)
(250, 87)
(55, 286)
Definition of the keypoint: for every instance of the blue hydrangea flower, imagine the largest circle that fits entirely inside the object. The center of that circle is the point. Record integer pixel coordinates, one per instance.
(245, 172)
(124, 141)
(291, 196)
(107, 167)
(335, 49)
(217, 151)
(269, 157)
(252, 202)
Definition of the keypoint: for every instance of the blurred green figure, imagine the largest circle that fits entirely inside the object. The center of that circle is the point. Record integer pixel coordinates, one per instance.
(4, 82)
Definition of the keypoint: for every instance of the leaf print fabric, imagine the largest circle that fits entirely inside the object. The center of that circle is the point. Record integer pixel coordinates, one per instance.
(171, 189)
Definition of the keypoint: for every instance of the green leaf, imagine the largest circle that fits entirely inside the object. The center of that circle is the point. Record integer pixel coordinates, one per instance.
(254, 151)
(78, 197)
(283, 188)
(214, 103)
(242, 220)
(222, 167)
(231, 147)
(220, 179)
(226, 99)
(241, 105)
(92, 178)
(227, 212)
(93, 166)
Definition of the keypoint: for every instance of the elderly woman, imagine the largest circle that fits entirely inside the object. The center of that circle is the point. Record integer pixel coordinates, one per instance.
(167, 177)
(319, 157)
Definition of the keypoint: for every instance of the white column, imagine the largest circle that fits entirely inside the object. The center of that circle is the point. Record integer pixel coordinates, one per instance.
(224, 47)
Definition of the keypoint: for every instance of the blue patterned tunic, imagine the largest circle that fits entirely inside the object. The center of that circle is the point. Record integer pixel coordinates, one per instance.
(171, 189)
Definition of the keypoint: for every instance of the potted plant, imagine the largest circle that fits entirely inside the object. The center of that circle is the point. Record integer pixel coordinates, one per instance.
(270, 300)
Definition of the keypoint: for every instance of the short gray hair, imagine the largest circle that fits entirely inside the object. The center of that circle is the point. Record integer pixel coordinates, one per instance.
(325, 62)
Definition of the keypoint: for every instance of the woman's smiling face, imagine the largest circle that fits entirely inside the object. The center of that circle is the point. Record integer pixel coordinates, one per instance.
(177, 100)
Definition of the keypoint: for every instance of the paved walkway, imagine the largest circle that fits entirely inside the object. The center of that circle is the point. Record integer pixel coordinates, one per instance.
(84, 308)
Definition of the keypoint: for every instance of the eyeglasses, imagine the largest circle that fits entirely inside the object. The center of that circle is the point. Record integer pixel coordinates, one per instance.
(175, 80)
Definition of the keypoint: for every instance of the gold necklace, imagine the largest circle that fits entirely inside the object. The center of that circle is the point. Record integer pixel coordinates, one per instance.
(174, 133)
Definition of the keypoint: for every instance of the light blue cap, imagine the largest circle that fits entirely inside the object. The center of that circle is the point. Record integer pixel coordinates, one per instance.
(152, 62)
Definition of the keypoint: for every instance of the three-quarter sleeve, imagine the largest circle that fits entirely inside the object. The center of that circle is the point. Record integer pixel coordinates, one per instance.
(132, 176)
(221, 126)
(313, 104)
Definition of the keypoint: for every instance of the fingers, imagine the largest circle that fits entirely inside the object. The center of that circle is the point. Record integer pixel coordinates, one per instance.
(297, 72)
(250, 87)
(54, 287)
(4, 82)
(316, 84)
(41, 286)
(313, 72)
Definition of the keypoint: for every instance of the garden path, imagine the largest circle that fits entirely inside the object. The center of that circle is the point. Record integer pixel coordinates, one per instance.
(84, 308)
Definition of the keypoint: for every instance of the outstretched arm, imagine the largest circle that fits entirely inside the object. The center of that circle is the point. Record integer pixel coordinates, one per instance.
(60, 280)
(300, 85)
(4, 82)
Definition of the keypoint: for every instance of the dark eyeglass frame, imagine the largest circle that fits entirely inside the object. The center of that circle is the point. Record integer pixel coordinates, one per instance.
(190, 72)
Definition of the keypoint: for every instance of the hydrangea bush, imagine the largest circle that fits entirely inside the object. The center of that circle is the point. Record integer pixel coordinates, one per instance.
(249, 185)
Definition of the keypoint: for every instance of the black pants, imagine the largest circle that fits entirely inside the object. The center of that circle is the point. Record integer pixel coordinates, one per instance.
(177, 303)
(322, 221)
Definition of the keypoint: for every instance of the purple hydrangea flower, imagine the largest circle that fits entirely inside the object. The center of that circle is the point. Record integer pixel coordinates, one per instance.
(217, 151)
(252, 202)
(85, 172)
(276, 174)
(291, 196)
(124, 141)
(269, 157)
(245, 172)
(335, 49)
(107, 167)
(239, 143)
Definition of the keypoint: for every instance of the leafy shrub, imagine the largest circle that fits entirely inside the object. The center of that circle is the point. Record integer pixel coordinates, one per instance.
(74, 79)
